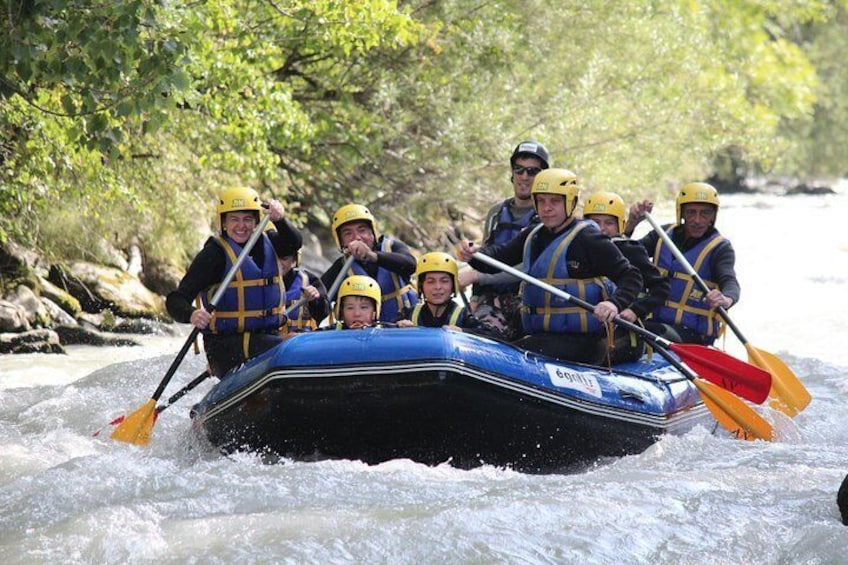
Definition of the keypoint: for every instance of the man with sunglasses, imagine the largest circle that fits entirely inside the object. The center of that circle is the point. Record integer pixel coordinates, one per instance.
(495, 297)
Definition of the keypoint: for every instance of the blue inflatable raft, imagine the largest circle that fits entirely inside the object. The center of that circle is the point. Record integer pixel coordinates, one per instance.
(434, 396)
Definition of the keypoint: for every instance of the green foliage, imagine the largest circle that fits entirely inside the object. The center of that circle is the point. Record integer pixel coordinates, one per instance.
(820, 141)
(120, 121)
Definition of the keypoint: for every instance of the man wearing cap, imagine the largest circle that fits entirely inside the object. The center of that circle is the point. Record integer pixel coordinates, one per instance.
(495, 297)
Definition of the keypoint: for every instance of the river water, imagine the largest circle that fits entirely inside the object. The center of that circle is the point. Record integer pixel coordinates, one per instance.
(67, 497)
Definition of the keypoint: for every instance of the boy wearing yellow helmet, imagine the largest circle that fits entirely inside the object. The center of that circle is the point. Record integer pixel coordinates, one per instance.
(607, 209)
(358, 305)
(248, 315)
(571, 254)
(385, 259)
(689, 315)
(438, 283)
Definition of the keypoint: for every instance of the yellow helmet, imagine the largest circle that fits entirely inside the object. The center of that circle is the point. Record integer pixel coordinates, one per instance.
(558, 181)
(237, 199)
(437, 262)
(695, 192)
(359, 285)
(607, 203)
(352, 213)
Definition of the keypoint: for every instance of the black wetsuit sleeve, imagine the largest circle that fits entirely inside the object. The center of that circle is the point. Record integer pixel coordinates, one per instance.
(399, 260)
(592, 254)
(319, 307)
(723, 265)
(206, 269)
(329, 276)
(510, 253)
(656, 286)
(649, 242)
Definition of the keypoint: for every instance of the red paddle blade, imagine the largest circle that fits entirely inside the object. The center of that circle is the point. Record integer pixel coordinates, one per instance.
(114, 422)
(741, 378)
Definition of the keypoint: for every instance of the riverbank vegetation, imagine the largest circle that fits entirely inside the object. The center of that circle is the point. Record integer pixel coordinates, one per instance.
(120, 121)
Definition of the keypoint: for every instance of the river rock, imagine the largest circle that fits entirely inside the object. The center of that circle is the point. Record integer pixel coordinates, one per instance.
(143, 326)
(36, 312)
(33, 341)
(14, 258)
(60, 297)
(13, 318)
(161, 277)
(99, 288)
(81, 335)
(57, 315)
(810, 189)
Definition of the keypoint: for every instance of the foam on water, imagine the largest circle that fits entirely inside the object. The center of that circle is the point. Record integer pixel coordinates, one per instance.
(68, 497)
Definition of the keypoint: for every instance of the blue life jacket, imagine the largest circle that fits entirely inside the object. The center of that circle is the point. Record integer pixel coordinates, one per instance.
(504, 227)
(543, 312)
(299, 319)
(685, 304)
(502, 230)
(253, 300)
(397, 292)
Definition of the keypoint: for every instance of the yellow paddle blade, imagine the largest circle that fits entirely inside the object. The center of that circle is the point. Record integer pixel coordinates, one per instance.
(732, 413)
(137, 427)
(787, 392)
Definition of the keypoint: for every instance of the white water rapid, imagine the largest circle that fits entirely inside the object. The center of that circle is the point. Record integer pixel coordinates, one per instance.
(67, 497)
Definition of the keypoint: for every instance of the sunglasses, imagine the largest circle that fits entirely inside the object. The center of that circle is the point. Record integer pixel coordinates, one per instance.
(532, 171)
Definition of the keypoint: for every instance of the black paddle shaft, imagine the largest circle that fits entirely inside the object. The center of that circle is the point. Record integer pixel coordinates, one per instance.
(222, 287)
(693, 273)
(650, 337)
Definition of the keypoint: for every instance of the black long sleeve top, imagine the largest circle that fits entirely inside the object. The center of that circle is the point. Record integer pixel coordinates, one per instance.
(722, 258)
(656, 286)
(209, 268)
(590, 254)
(400, 260)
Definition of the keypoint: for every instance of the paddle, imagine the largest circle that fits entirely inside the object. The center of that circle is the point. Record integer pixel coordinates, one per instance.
(339, 279)
(729, 410)
(787, 393)
(137, 427)
(453, 240)
(176, 396)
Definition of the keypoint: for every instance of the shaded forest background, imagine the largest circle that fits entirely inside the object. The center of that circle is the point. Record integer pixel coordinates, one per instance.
(121, 120)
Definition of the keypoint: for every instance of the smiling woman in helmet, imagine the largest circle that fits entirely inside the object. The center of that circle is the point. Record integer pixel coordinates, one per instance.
(689, 315)
(249, 313)
(571, 254)
(383, 258)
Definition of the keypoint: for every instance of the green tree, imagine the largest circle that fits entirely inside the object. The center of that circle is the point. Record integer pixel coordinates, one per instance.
(122, 119)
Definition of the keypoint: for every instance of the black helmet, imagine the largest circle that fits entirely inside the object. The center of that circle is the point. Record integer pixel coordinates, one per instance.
(531, 149)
